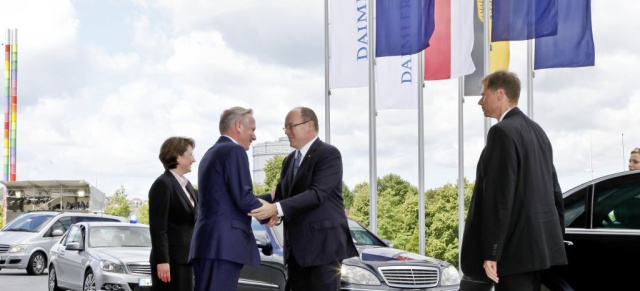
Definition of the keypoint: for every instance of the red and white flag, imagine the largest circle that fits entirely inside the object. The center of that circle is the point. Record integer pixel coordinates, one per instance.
(449, 53)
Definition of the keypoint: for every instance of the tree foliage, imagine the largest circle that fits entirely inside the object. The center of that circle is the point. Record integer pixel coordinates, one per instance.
(398, 215)
(118, 205)
(143, 213)
(1, 216)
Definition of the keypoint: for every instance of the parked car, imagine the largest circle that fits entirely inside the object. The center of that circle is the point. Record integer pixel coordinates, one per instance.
(102, 256)
(378, 266)
(602, 239)
(26, 240)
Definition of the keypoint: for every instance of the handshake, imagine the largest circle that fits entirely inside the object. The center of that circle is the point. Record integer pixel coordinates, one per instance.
(266, 211)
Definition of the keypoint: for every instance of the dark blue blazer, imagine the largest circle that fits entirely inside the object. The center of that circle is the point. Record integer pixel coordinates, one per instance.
(315, 225)
(225, 192)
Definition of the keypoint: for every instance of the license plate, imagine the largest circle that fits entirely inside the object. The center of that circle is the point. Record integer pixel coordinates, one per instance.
(144, 282)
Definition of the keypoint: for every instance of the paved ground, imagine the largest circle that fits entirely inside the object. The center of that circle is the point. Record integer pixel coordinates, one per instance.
(19, 280)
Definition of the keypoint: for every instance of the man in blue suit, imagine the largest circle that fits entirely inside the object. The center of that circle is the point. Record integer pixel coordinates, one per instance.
(309, 195)
(222, 239)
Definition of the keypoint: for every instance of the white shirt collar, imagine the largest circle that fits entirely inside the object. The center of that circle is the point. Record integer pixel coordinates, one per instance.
(183, 181)
(305, 148)
(505, 113)
(231, 138)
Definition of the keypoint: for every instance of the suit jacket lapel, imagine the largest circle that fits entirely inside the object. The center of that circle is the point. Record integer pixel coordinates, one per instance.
(306, 161)
(181, 194)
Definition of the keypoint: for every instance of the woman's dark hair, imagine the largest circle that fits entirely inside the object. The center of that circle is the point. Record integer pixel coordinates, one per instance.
(172, 148)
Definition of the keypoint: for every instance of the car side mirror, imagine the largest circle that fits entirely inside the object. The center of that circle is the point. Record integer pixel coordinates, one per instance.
(57, 232)
(73, 246)
(264, 244)
(388, 242)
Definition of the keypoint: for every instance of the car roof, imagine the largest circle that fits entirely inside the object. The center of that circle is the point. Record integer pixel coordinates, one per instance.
(69, 213)
(597, 180)
(108, 223)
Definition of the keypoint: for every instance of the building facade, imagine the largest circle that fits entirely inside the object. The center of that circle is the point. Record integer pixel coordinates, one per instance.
(262, 152)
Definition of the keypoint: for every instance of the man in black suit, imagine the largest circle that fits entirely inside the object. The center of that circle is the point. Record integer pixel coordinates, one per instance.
(173, 207)
(515, 223)
(309, 196)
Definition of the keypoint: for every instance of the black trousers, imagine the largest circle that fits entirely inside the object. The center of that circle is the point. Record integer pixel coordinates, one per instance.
(314, 278)
(181, 278)
(529, 281)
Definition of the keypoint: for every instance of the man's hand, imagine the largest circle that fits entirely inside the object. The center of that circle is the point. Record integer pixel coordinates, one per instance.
(267, 210)
(273, 221)
(491, 268)
(163, 272)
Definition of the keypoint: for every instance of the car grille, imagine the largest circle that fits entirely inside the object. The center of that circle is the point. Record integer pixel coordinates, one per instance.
(140, 268)
(4, 248)
(410, 276)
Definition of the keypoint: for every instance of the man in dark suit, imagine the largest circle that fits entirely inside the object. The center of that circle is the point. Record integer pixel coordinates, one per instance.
(309, 196)
(515, 223)
(173, 207)
(222, 240)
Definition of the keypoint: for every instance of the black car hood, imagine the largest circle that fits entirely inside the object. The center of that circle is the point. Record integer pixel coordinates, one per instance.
(385, 254)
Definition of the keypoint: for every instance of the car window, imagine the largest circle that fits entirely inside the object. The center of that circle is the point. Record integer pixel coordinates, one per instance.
(362, 236)
(62, 224)
(75, 235)
(574, 208)
(119, 236)
(617, 203)
(29, 222)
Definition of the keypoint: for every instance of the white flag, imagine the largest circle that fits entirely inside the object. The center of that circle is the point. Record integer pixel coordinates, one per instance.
(397, 82)
(348, 44)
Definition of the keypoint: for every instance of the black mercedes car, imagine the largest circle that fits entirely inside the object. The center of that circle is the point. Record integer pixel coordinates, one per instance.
(378, 266)
(602, 239)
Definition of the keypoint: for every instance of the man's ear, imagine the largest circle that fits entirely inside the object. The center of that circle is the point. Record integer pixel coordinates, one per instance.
(238, 125)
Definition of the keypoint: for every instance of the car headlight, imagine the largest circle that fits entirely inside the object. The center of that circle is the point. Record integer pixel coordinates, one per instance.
(357, 275)
(109, 266)
(450, 276)
(18, 248)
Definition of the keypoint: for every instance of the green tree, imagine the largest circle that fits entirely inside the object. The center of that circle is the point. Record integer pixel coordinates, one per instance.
(272, 170)
(118, 205)
(359, 210)
(442, 220)
(1, 216)
(347, 196)
(143, 213)
(398, 215)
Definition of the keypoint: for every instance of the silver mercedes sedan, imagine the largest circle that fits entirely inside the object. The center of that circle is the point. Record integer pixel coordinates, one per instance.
(101, 256)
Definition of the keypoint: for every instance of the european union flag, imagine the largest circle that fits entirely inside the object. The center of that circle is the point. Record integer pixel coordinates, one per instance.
(524, 19)
(573, 46)
(403, 27)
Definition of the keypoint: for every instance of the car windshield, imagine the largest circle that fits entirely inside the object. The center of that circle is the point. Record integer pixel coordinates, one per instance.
(119, 236)
(31, 222)
(362, 236)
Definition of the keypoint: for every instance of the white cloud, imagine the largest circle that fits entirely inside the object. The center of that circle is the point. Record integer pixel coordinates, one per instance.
(100, 111)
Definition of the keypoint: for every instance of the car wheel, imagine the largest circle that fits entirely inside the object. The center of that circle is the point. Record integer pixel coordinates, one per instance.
(89, 282)
(53, 280)
(37, 264)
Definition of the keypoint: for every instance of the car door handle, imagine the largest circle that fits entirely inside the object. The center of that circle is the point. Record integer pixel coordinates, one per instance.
(569, 243)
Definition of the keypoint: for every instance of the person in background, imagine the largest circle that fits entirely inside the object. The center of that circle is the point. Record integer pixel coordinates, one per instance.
(173, 206)
(634, 160)
(515, 224)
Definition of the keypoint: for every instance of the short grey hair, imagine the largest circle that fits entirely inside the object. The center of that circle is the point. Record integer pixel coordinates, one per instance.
(229, 117)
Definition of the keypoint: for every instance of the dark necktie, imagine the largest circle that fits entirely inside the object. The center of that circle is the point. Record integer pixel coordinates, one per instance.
(296, 163)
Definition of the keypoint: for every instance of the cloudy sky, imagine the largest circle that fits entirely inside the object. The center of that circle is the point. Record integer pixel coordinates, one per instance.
(102, 83)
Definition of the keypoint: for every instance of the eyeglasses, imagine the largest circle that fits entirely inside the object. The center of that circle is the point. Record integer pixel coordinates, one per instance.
(291, 126)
